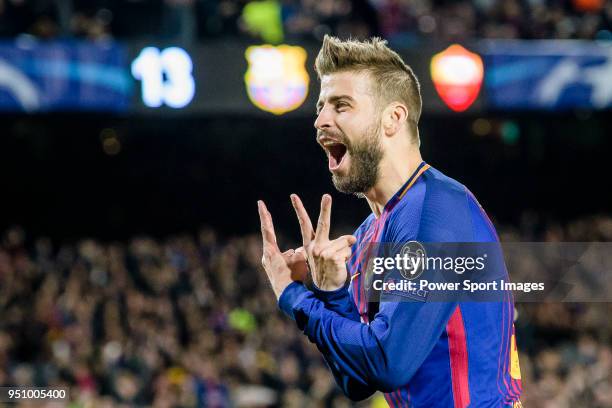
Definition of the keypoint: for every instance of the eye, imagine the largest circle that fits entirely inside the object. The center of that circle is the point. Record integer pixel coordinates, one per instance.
(341, 105)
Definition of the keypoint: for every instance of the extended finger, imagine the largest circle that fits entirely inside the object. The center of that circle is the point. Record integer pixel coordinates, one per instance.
(303, 218)
(288, 253)
(322, 233)
(340, 243)
(267, 227)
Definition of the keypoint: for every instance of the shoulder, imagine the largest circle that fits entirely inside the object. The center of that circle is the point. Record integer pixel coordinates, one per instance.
(433, 210)
(451, 212)
(440, 185)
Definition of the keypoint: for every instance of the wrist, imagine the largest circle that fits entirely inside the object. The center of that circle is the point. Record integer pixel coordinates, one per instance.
(291, 296)
(281, 284)
(328, 286)
(327, 292)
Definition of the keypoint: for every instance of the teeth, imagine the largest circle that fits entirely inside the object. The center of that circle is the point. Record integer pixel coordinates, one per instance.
(328, 144)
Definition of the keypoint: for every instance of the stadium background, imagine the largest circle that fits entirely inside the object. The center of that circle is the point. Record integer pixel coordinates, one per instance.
(129, 265)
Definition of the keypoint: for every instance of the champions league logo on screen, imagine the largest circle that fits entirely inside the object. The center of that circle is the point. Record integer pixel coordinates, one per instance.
(413, 258)
(410, 262)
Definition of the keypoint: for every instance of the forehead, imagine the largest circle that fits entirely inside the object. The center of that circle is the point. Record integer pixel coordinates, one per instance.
(350, 83)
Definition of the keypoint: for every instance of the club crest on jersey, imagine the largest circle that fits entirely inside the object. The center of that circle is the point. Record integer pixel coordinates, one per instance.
(276, 80)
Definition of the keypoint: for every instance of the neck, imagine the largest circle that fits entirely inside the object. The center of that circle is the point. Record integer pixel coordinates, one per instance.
(394, 172)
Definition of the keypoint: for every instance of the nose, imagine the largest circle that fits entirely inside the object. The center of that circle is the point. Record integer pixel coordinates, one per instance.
(324, 120)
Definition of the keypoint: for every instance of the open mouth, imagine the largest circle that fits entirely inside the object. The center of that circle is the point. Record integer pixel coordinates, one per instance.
(335, 152)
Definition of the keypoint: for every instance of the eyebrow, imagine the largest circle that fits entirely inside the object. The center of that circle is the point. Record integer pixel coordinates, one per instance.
(333, 99)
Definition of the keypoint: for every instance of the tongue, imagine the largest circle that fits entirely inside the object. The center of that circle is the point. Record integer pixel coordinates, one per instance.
(333, 163)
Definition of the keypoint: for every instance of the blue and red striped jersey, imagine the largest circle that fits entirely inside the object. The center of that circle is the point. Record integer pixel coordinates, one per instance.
(419, 354)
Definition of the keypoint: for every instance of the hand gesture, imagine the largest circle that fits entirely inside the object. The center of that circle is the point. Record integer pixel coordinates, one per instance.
(327, 259)
(281, 268)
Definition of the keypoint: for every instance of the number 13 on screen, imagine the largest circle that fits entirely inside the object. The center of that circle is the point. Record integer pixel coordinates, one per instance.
(166, 77)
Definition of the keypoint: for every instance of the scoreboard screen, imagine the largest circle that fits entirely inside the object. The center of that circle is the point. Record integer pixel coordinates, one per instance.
(238, 78)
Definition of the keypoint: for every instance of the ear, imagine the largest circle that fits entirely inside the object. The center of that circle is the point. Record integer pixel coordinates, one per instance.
(393, 118)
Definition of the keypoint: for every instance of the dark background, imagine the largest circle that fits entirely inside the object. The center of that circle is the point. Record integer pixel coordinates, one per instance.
(175, 175)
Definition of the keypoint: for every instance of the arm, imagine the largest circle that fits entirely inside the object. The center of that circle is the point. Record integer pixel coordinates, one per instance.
(383, 355)
(340, 302)
(371, 356)
(354, 389)
(363, 358)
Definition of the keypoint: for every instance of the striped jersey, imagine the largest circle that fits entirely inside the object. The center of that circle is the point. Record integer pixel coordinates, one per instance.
(419, 354)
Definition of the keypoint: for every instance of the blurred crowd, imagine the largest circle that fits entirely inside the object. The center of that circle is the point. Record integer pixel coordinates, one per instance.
(403, 22)
(191, 321)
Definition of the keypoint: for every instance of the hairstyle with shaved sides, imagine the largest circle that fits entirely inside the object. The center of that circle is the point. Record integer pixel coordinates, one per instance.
(392, 79)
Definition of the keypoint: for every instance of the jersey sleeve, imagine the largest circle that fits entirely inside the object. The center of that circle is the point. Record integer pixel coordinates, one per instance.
(338, 301)
(383, 355)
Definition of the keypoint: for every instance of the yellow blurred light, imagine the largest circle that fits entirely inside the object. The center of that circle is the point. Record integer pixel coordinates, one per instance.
(111, 146)
(107, 133)
(481, 127)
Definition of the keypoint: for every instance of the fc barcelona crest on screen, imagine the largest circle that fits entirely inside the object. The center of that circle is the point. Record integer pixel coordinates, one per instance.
(276, 80)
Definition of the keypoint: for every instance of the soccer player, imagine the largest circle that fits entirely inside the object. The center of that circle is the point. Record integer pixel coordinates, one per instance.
(418, 353)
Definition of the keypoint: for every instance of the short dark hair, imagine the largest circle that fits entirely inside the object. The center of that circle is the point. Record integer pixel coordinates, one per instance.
(393, 79)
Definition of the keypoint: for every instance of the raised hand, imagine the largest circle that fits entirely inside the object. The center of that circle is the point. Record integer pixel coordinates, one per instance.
(327, 259)
(281, 268)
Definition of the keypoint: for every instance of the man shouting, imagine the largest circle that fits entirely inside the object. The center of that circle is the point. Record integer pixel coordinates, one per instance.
(418, 353)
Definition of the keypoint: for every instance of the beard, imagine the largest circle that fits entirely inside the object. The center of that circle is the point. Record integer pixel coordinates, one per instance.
(366, 155)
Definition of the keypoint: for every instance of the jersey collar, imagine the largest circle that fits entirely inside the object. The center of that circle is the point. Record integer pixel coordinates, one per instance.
(397, 197)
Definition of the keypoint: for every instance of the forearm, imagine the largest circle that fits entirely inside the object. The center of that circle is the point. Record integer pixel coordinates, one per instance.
(338, 301)
(353, 389)
(371, 354)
